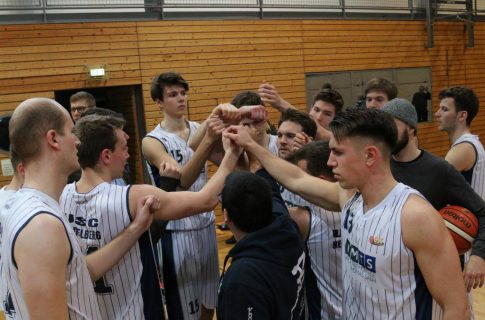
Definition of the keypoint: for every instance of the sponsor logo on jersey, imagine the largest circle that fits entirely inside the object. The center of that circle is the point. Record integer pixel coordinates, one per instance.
(357, 256)
(377, 241)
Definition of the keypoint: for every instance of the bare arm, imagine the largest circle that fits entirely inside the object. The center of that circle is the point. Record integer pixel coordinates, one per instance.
(42, 252)
(191, 170)
(270, 95)
(425, 233)
(322, 133)
(323, 193)
(177, 205)
(301, 216)
(196, 138)
(154, 152)
(102, 260)
(224, 113)
(462, 156)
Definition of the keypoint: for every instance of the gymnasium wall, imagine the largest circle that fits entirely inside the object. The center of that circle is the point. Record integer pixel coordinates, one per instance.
(220, 58)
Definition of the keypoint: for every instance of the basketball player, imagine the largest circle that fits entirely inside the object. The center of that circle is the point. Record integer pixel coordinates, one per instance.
(107, 112)
(265, 278)
(321, 231)
(80, 102)
(189, 246)
(397, 250)
(436, 180)
(58, 284)
(458, 108)
(324, 292)
(326, 104)
(98, 211)
(378, 91)
(291, 123)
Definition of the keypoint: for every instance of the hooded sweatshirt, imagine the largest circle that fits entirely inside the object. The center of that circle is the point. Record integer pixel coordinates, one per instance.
(265, 278)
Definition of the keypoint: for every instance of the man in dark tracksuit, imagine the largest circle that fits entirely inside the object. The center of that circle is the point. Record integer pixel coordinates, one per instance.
(265, 278)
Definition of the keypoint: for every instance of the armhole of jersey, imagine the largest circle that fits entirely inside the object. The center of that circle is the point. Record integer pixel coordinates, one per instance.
(27, 222)
(310, 221)
(196, 127)
(476, 154)
(130, 215)
(161, 142)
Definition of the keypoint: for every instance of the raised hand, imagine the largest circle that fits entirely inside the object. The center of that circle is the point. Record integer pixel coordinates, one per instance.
(145, 208)
(227, 113)
(301, 138)
(170, 170)
(231, 146)
(239, 135)
(215, 127)
(270, 95)
(256, 113)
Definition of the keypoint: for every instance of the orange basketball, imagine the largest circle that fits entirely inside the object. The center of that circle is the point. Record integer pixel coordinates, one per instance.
(463, 226)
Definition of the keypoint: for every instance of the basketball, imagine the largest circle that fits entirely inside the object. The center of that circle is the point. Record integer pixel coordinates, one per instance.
(463, 226)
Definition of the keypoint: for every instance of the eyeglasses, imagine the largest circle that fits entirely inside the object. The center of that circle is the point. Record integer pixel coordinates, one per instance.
(79, 109)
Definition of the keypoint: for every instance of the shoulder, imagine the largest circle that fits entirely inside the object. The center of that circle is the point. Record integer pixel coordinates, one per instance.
(465, 145)
(41, 229)
(193, 125)
(415, 206)
(153, 144)
(418, 218)
(242, 271)
(462, 155)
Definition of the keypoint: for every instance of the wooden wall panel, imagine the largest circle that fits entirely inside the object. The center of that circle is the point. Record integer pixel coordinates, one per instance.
(221, 58)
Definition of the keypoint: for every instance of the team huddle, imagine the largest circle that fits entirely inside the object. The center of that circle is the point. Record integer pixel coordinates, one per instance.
(335, 216)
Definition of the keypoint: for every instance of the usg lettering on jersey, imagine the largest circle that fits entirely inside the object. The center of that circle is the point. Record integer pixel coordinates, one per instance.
(364, 260)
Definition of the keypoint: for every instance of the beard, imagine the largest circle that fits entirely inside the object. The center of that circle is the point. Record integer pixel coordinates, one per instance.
(401, 143)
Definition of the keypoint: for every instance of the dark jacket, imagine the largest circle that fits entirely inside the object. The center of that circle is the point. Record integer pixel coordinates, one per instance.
(265, 278)
(441, 184)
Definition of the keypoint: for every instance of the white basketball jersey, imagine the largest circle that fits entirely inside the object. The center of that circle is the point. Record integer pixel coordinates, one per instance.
(19, 210)
(181, 152)
(324, 246)
(272, 144)
(4, 196)
(476, 175)
(381, 277)
(97, 217)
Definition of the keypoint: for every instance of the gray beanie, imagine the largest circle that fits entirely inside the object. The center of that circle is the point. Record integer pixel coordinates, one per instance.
(403, 110)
